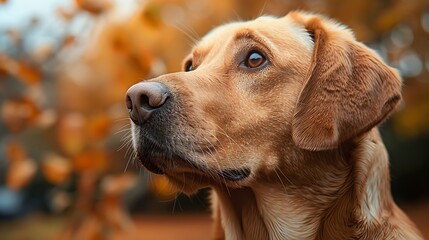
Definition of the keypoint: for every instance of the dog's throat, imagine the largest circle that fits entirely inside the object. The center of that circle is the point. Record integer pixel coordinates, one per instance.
(235, 174)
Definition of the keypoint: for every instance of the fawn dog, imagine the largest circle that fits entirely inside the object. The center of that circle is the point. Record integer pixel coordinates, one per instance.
(279, 117)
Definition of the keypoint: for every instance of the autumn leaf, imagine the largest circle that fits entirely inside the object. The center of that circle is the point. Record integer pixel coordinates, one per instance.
(42, 52)
(55, 168)
(116, 185)
(15, 152)
(98, 126)
(92, 160)
(20, 174)
(28, 74)
(18, 114)
(94, 6)
(68, 41)
(3, 72)
(7, 65)
(25, 72)
(46, 119)
(70, 133)
(21, 169)
(152, 15)
(60, 200)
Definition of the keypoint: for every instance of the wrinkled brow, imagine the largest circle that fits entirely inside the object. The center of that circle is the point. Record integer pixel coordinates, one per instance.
(248, 34)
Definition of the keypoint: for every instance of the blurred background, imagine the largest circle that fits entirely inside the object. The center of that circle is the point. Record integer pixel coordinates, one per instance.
(66, 168)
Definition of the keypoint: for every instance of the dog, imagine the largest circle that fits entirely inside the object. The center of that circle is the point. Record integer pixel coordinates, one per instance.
(279, 117)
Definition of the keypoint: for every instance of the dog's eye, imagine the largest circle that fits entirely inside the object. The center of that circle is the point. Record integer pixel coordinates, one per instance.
(255, 59)
(189, 66)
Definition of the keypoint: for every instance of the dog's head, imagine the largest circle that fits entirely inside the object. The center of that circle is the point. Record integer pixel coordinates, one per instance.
(253, 95)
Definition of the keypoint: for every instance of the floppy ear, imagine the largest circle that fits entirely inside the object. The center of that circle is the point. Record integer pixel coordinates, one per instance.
(348, 89)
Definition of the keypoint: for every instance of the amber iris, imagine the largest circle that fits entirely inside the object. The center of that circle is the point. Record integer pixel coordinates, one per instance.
(254, 60)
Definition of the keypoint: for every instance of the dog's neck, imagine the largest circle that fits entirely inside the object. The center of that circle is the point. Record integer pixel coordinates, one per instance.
(326, 207)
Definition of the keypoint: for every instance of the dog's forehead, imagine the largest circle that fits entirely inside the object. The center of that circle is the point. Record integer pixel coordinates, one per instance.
(268, 26)
(230, 28)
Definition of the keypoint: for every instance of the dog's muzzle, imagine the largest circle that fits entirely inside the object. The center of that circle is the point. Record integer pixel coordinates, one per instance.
(150, 107)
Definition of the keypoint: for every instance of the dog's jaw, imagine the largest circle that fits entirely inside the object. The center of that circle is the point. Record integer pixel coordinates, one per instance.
(185, 174)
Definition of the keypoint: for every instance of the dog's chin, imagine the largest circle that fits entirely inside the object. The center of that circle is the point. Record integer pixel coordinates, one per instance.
(148, 163)
(154, 160)
(160, 161)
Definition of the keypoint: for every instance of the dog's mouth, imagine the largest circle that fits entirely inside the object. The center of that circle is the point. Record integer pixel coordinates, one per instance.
(234, 174)
(161, 160)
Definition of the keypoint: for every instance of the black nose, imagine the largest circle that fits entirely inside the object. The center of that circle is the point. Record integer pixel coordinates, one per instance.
(144, 98)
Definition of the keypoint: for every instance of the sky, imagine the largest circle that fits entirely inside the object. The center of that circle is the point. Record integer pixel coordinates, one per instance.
(16, 12)
(17, 15)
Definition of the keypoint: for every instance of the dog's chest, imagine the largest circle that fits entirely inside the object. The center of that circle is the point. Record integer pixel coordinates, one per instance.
(286, 218)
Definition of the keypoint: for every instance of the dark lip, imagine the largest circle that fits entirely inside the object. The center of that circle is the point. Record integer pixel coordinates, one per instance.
(151, 153)
(235, 174)
(147, 162)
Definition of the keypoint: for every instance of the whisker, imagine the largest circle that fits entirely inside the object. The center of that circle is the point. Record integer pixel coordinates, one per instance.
(192, 39)
(131, 158)
(174, 203)
(263, 8)
(237, 16)
(287, 178)
(125, 129)
(278, 176)
(125, 141)
(211, 172)
(122, 120)
(195, 35)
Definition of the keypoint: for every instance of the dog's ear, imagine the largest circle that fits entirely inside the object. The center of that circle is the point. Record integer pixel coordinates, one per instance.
(348, 89)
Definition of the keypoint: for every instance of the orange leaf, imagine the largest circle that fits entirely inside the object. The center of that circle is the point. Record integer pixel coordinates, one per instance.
(87, 183)
(28, 74)
(152, 15)
(15, 152)
(94, 6)
(98, 126)
(93, 160)
(71, 137)
(3, 72)
(68, 40)
(46, 118)
(20, 174)
(18, 114)
(56, 169)
(119, 44)
(42, 52)
(60, 201)
(116, 185)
